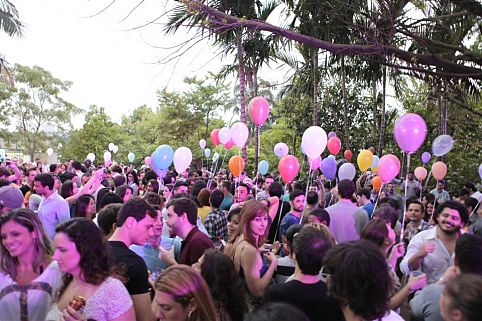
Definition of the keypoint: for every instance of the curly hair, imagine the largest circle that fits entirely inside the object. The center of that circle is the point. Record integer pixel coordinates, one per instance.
(219, 272)
(95, 260)
(43, 247)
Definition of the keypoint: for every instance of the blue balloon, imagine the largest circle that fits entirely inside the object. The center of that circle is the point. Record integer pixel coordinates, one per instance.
(426, 157)
(480, 170)
(331, 156)
(162, 157)
(328, 167)
(375, 161)
(263, 167)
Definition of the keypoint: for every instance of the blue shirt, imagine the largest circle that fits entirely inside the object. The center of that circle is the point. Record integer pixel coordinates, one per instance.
(286, 222)
(369, 207)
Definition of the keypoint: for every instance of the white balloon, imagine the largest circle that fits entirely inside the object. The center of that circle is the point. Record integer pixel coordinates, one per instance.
(91, 156)
(115, 149)
(347, 171)
(107, 156)
(202, 143)
(50, 151)
(281, 149)
(314, 141)
(182, 159)
(215, 157)
(239, 134)
(224, 135)
(111, 146)
(207, 152)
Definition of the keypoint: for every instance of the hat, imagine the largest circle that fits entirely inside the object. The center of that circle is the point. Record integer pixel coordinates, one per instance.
(11, 197)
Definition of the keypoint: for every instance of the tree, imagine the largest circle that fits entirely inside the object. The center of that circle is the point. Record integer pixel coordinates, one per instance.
(12, 26)
(37, 108)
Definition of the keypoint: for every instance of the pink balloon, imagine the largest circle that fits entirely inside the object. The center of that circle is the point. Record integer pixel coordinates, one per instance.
(215, 136)
(288, 167)
(147, 160)
(229, 144)
(315, 163)
(334, 145)
(410, 131)
(388, 167)
(439, 170)
(258, 110)
(420, 173)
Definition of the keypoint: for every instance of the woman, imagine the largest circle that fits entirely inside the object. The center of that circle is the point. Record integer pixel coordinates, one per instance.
(152, 186)
(462, 298)
(226, 288)
(133, 181)
(85, 206)
(382, 235)
(125, 192)
(25, 261)
(87, 272)
(234, 217)
(243, 249)
(204, 205)
(182, 295)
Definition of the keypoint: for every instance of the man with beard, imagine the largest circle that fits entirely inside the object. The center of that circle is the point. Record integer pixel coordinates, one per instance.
(431, 251)
(297, 202)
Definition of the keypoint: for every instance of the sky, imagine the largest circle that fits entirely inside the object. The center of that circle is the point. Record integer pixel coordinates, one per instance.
(109, 63)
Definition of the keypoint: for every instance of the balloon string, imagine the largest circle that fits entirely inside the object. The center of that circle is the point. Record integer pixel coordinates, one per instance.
(302, 164)
(405, 197)
(257, 165)
(428, 178)
(307, 188)
(378, 197)
(280, 212)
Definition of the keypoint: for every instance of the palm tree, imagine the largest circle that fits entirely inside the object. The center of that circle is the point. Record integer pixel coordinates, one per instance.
(12, 26)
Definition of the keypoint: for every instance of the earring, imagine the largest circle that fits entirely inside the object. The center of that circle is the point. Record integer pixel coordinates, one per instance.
(189, 315)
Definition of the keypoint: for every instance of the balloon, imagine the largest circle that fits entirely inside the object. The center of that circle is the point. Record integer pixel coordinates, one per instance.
(229, 144)
(480, 170)
(115, 149)
(332, 156)
(111, 146)
(314, 141)
(182, 159)
(439, 170)
(160, 172)
(239, 134)
(214, 136)
(410, 131)
(202, 143)
(377, 183)
(236, 165)
(388, 167)
(263, 167)
(258, 109)
(375, 169)
(420, 173)
(426, 157)
(131, 156)
(147, 160)
(207, 152)
(347, 171)
(91, 156)
(281, 149)
(348, 155)
(328, 168)
(334, 145)
(375, 162)
(288, 167)
(215, 157)
(442, 145)
(162, 157)
(314, 163)
(364, 160)
(107, 156)
(50, 151)
(331, 134)
(224, 135)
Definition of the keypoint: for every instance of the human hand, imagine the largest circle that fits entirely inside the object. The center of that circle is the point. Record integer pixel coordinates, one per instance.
(417, 282)
(272, 258)
(167, 256)
(398, 250)
(449, 274)
(426, 248)
(70, 314)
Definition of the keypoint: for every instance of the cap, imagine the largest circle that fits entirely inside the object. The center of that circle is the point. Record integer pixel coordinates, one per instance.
(11, 197)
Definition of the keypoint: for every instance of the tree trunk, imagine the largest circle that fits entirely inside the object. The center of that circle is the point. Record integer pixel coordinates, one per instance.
(239, 42)
(374, 102)
(315, 87)
(346, 133)
(382, 118)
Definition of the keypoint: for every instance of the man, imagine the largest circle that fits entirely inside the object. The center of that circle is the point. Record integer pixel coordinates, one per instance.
(180, 187)
(473, 192)
(31, 173)
(277, 209)
(181, 220)
(346, 219)
(468, 259)
(312, 201)
(228, 197)
(441, 195)
(243, 192)
(297, 202)
(10, 198)
(415, 218)
(306, 291)
(135, 223)
(53, 209)
(268, 180)
(216, 222)
(431, 251)
(413, 186)
(77, 168)
(363, 200)
(393, 193)
(475, 219)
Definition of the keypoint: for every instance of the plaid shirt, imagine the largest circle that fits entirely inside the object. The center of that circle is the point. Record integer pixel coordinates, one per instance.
(412, 231)
(216, 223)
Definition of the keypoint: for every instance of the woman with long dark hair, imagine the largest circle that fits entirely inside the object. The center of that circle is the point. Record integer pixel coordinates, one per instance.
(85, 206)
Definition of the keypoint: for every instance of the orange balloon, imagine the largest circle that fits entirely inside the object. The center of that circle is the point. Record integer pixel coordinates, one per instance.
(377, 183)
(236, 165)
(439, 170)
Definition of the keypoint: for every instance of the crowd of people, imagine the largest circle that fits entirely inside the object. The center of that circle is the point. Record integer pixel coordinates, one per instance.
(85, 242)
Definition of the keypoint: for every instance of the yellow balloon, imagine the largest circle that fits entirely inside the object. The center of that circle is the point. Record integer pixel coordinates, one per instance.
(375, 169)
(364, 160)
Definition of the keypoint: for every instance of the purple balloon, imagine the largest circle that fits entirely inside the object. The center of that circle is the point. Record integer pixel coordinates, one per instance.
(331, 134)
(426, 157)
(328, 168)
(410, 131)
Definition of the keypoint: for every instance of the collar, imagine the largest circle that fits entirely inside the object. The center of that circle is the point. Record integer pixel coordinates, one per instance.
(52, 196)
(432, 233)
(190, 234)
